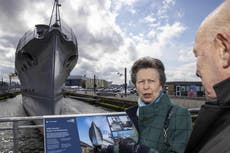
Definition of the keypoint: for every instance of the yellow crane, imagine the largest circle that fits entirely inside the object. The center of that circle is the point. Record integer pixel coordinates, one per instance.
(12, 75)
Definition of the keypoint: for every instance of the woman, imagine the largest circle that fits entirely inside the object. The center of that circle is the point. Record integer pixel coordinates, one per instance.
(161, 125)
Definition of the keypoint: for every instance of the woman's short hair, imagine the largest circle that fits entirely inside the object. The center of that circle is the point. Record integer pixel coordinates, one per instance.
(148, 62)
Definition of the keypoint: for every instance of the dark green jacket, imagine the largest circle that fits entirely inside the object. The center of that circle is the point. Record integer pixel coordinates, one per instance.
(150, 123)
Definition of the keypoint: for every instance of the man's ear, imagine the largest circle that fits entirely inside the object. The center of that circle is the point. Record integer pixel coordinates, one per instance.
(223, 43)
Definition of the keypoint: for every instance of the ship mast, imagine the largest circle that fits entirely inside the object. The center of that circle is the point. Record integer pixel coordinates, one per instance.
(57, 22)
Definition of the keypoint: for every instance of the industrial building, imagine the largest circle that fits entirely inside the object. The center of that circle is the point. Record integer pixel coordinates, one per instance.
(185, 88)
(76, 80)
(175, 88)
(84, 82)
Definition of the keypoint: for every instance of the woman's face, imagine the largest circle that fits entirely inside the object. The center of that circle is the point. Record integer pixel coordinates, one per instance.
(148, 84)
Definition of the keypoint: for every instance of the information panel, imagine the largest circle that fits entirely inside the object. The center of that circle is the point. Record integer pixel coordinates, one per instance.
(61, 135)
(85, 133)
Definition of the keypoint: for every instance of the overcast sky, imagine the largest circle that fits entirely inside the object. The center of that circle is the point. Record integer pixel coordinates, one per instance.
(112, 34)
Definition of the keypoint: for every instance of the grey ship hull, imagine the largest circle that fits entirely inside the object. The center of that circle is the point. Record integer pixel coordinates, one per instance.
(43, 62)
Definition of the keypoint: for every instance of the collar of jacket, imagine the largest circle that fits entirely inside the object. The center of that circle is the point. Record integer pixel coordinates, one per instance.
(222, 91)
(154, 109)
(142, 103)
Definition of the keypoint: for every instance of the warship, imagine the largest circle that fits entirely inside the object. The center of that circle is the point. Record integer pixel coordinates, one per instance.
(95, 135)
(44, 59)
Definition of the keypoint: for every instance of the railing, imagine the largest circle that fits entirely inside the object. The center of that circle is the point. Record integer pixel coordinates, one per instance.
(194, 113)
(15, 124)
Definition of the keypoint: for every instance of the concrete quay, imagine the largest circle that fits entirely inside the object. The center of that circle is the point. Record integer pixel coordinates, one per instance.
(131, 99)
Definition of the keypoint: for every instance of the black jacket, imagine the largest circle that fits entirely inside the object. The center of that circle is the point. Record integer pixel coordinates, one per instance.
(211, 132)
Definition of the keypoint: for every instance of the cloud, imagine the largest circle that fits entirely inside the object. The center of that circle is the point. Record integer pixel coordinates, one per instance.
(117, 5)
(108, 42)
(13, 25)
(93, 25)
(186, 72)
(166, 5)
(186, 55)
(95, 29)
(170, 31)
(109, 53)
(9, 16)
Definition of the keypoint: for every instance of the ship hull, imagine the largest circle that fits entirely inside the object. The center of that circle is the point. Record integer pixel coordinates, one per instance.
(42, 64)
(39, 106)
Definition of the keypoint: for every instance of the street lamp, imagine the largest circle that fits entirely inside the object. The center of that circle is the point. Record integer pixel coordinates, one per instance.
(94, 84)
(125, 80)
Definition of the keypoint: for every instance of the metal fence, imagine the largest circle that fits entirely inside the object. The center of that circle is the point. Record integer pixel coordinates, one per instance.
(20, 134)
(194, 113)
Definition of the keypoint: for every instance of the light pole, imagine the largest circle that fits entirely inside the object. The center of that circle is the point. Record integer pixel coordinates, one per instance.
(125, 81)
(94, 84)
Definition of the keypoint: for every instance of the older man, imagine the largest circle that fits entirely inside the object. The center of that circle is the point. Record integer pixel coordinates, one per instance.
(211, 133)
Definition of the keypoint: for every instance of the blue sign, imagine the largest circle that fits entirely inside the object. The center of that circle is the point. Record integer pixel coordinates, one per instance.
(61, 135)
(84, 133)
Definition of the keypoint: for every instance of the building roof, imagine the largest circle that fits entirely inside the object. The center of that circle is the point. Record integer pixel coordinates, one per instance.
(184, 83)
(80, 77)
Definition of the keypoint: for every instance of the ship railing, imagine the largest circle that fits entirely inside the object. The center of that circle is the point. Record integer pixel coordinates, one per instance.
(69, 33)
(26, 38)
(16, 124)
(33, 34)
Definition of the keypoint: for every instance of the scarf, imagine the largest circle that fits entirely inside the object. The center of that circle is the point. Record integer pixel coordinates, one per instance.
(142, 103)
